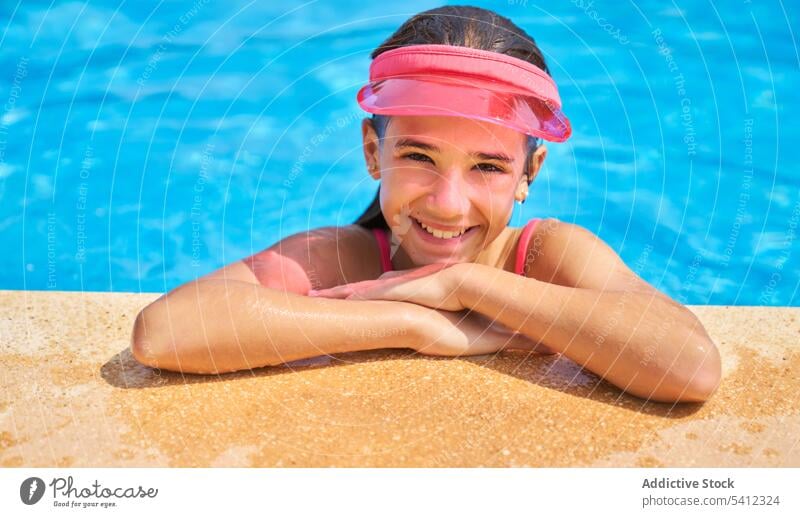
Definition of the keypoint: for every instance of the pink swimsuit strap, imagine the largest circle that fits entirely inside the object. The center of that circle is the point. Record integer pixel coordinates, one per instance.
(383, 248)
(381, 236)
(522, 246)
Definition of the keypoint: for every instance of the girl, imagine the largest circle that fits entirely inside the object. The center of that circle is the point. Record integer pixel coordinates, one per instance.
(460, 97)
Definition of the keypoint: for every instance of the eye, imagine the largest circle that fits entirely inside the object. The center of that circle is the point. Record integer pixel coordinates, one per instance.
(418, 157)
(488, 167)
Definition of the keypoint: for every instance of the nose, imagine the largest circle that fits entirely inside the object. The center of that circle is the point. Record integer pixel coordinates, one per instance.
(449, 199)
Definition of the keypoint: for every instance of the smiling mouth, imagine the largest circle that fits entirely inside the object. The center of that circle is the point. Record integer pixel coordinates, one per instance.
(441, 234)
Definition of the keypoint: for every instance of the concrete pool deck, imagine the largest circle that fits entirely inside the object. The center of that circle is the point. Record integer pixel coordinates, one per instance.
(73, 396)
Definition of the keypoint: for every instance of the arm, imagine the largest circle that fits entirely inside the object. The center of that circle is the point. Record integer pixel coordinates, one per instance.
(599, 313)
(638, 342)
(581, 300)
(461, 333)
(215, 326)
(254, 312)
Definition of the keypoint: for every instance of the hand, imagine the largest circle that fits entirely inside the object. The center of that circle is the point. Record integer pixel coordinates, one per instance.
(433, 286)
(467, 333)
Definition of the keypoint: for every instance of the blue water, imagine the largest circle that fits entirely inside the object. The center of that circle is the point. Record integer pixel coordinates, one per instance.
(143, 146)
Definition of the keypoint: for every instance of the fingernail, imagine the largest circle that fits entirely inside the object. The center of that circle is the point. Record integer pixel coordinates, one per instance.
(312, 292)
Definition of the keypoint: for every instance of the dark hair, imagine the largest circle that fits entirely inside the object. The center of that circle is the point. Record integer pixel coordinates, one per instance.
(460, 26)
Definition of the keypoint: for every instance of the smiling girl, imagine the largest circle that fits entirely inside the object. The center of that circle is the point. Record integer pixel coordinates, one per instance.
(460, 99)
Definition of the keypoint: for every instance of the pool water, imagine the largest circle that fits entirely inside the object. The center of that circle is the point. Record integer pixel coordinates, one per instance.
(142, 146)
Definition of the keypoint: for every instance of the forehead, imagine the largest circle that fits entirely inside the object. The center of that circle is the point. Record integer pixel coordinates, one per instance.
(467, 134)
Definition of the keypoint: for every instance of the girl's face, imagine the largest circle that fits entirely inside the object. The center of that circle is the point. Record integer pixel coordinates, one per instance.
(448, 184)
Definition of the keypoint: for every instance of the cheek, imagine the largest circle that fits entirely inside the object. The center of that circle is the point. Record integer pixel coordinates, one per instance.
(396, 198)
(496, 197)
(402, 186)
(393, 190)
(497, 207)
(500, 216)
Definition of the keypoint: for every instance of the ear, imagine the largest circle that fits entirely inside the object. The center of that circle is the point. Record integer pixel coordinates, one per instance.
(535, 162)
(371, 146)
(532, 168)
(521, 193)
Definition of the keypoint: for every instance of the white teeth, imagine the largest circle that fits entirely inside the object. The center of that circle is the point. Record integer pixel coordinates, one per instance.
(440, 234)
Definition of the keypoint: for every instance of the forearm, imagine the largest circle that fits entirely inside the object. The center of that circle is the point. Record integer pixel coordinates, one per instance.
(217, 326)
(465, 333)
(640, 342)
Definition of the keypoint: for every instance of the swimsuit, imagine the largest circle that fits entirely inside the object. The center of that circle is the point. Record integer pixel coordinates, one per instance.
(519, 266)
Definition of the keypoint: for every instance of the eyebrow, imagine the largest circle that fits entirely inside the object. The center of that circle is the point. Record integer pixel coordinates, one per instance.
(408, 142)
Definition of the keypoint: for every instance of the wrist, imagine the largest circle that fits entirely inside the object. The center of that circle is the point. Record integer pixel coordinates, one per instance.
(461, 282)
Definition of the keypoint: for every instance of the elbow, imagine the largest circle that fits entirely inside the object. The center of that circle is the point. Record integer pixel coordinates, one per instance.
(706, 376)
(147, 347)
(699, 366)
(158, 342)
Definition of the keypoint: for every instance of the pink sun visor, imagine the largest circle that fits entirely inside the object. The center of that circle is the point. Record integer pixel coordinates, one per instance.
(465, 82)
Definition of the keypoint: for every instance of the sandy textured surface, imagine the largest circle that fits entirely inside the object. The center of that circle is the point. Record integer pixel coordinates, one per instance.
(72, 395)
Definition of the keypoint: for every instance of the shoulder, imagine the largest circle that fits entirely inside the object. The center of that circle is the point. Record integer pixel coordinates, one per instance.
(329, 255)
(532, 257)
(571, 255)
(324, 239)
(557, 234)
(563, 252)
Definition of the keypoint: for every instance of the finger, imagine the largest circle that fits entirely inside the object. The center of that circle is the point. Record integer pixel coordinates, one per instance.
(372, 293)
(429, 269)
(368, 290)
(333, 292)
(414, 272)
(484, 346)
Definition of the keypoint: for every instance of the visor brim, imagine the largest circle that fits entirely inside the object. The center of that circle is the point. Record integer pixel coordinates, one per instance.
(476, 99)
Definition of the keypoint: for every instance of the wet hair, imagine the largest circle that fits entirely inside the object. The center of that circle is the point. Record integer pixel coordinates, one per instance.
(460, 26)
